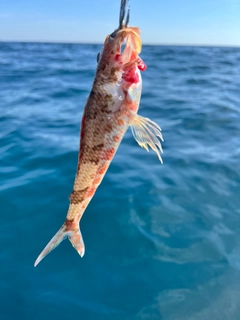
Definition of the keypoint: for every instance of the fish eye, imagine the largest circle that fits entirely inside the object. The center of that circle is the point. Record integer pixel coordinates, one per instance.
(112, 36)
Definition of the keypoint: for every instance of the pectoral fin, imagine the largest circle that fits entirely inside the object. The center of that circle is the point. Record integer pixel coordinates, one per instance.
(147, 133)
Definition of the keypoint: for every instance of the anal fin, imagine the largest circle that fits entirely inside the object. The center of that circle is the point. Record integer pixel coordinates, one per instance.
(147, 133)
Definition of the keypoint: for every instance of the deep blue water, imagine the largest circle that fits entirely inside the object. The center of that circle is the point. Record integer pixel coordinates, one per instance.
(162, 241)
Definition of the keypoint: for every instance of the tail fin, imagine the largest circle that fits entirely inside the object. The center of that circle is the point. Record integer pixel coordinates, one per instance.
(74, 236)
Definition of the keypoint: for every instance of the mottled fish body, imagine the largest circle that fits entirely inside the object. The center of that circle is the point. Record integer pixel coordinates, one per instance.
(111, 108)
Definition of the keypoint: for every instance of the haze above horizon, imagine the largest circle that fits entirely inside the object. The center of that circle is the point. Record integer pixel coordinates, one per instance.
(209, 22)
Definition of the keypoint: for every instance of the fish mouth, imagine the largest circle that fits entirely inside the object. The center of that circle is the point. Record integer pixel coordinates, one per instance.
(126, 44)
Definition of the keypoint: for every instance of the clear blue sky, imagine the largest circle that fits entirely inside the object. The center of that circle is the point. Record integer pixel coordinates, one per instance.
(207, 22)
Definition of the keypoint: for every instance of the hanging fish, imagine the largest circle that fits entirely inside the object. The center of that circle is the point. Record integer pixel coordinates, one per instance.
(111, 108)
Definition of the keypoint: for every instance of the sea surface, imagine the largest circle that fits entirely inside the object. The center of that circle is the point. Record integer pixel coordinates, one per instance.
(162, 241)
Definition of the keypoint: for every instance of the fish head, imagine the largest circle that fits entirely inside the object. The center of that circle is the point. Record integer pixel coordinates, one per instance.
(121, 51)
(124, 44)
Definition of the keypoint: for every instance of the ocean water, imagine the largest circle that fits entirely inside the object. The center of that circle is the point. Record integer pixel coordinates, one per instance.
(162, 241)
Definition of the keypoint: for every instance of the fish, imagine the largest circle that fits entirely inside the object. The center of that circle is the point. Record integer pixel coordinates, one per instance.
(112, 106)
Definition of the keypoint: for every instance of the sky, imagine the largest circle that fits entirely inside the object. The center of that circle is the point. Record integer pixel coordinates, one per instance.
(167, 22)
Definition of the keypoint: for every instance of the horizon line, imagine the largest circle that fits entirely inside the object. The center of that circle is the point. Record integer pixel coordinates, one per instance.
(145, 44)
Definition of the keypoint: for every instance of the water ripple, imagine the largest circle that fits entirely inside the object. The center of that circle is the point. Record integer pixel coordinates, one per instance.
(161, 240)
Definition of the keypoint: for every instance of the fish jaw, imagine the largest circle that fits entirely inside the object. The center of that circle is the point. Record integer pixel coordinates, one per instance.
(133, 44)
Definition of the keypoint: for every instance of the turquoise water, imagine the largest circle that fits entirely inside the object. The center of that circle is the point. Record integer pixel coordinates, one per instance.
(162, 241)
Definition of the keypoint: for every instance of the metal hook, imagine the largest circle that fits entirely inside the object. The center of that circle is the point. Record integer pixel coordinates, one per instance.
(124, 14)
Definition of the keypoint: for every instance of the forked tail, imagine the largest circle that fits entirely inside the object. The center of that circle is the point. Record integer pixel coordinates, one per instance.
(74, 236)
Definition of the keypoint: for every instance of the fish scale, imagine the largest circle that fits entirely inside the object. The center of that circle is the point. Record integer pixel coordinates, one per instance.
(111, 108)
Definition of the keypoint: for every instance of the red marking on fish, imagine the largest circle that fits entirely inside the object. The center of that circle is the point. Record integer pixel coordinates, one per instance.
(131, 76)
(116, 138)
(120, 122)
(97, 180)
(103, 169)
(109, 154)
(91, 192)
(117, 57)
(133, 106)
(141, 65)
